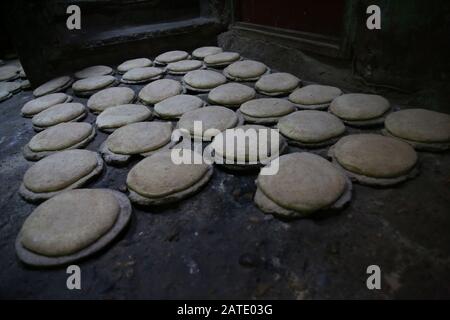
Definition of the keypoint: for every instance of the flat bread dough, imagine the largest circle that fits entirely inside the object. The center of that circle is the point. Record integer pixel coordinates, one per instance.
(142, 75)
(37, 105)
(52, 86)
(69, 222)
(139, 138)
(171, 56)
(9, 72)
(305, 183)
(310, 126)
(420, 125)
(266, 108)
(119, 116)
(60, 170)
(93, 71)
(314, 96)
(374, 155)
(203, 80)
(159, 90)
(211, 117)
(183, 66)
(245, 70)
(261, 144)
(5, 95)
(11, 87)
(110, 97)
(157, 177)
(277, 83)
(134, 63)
(174, 107)
(358, 106)
(88, 86)
(221, 59)
(64, 112)
(202, 52)
(67, 135)
(231, 94)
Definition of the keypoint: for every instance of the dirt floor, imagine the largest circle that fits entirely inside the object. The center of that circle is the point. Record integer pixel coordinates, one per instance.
(218, 244)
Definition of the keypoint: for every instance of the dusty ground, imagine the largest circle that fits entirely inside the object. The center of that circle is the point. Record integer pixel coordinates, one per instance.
(217, 244)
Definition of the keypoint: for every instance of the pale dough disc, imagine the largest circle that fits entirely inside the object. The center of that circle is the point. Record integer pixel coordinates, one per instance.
(312, 95)
(110, 97)
(304, 183)
(221, 59)
(171, 56)
(37, 105)
(359, 106)
(311, 126)
(140, 137)
(245, 70)
(134, 63)
(140, 75)
(183, 66)
(58, 113)
(211, 117)
(93, 84)
(113, 118)
(159, 90)
(93, 71)
(203, 80)
(69, 222)
(231, 94)
(60, 137)
(11, 87)
(201, 53)
(9, 73)
(375, 155)
(52, 86)
(5, 95)
(60, 170)
(174, 107)
(158, 176)
(254, 139)
(419, 125)
(277, 83)
(266, 108)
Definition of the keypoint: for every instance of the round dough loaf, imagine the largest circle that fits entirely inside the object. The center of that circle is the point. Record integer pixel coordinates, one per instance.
(374, 155)
(9, 72)
(11, 87)
(266, 108)
(211, 117)
(52, 86)
(139, 138)
(141, 75)
(305, 183)
(311, 127)
(203, 80)
(134, 63)
(88, 86)
(174, 107)
(110, 97)
(231, 94)
(69, 222)
(201, 53)
(64, 112)
(183, 66)
(113, 118)
(93, 71)
(221, 59)
(245, 70)
(159, 179)
(275, 84)
(358, 106)
(40, 104)
(314, 96)
(171, 56)
(60, 171)
(419, 125)
(159, 90)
